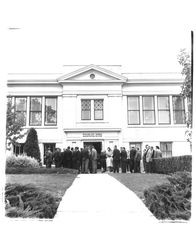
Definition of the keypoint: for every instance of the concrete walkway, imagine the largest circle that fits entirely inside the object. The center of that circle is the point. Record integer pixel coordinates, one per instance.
(103, 196)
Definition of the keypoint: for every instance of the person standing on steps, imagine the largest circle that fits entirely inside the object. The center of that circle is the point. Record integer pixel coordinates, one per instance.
(109, 162)
(132, 159)
(85, 160)
(94, 160)
(116, 159)
(103, 161)
(48, 158)
(69, 157)
(123, 160)
(137, 161)
(57, 158)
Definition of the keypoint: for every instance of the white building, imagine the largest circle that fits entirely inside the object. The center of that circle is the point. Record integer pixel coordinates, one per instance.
(101, 105)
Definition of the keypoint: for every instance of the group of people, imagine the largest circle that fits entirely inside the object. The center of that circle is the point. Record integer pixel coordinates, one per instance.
(87, 160)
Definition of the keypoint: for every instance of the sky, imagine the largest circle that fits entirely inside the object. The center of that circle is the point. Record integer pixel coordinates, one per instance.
(142, 36)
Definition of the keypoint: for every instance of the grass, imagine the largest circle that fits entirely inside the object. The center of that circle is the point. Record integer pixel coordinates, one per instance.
(55, 184)
(139, 182)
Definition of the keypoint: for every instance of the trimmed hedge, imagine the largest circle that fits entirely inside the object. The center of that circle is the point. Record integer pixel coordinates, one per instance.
(172, 200)
(40, 170)
(172, 164)
(21, 161)
(27, 201)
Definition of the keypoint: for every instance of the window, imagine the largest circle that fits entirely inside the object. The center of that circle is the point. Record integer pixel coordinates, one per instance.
(166, 149)
(133, 110)
(163, 110)
(21, 109)
(18, 148)
(148, 110)
(35, 111)
(136, 145)
(50, 111)
(86, 109)
(98, 109)
(89, 106)
(178, 110)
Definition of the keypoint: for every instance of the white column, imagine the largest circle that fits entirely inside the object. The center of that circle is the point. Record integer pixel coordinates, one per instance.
(43, 110)
(28, 111)
(156, 109)
(171, 110)
(141, 110)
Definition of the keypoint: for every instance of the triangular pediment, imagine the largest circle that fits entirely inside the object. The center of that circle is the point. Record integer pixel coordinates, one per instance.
(92, 73)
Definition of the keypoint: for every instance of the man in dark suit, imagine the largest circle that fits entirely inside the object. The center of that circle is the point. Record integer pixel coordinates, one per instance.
(116, 159)
(137, 161)
(132, 158)
(85, 160)
(76, 157)
(57, 158)
(69, 157)
(123, 160)
(64, 158)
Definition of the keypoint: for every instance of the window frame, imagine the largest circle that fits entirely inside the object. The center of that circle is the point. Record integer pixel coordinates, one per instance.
(45, 112)
(143, 110)
(99, 109)
(182, 110)
(32, 111)
(167, 142)
(24, 112)
(82, 119)
(138, 110)
(159, 110)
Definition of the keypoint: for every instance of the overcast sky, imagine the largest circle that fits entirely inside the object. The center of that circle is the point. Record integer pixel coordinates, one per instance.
(142, 36)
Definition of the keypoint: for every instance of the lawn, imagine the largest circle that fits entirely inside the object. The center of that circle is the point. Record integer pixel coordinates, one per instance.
(139, 182)
(55, 184)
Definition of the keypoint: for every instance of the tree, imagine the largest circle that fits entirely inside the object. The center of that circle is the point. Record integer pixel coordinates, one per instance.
(31, 147)
(14, 126)
(187, 91)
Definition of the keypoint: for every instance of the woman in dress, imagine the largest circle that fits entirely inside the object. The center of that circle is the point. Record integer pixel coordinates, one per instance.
(109, 159)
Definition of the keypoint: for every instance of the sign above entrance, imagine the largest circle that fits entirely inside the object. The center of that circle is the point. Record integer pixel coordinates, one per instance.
(92, 134)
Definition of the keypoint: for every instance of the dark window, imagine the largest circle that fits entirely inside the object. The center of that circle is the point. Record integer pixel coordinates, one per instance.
(85, 109)
(21, 109)
(148, 110)
(133, 105)
(50, 111)
(163, 109)
(98, 109)
(178, 110)
(18, 148)
(35, 111)
(166, 149)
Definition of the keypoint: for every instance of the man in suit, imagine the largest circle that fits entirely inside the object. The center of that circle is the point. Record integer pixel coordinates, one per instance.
(116, 159)
(64, 158)
(149, 160)
(132, 159)
(69, 157)
(76, 157)
(157, 152)
(48, 158)
(123, 160)
(85, 159)
(57, 158)
(94, 160)
(137, 161)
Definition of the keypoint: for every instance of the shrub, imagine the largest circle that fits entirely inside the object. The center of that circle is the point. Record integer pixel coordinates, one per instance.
(31, 147)
(21, 161)
(172, 200)
(172, 164)
(28, 201)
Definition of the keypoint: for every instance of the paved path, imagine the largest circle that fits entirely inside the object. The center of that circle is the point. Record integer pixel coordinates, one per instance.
(103, 196)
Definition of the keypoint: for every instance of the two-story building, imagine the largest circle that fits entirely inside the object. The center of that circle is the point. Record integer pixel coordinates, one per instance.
(102, 106)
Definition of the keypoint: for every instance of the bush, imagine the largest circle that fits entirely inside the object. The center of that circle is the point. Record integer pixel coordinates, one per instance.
(21, 161)
(173, 200)
(28, 201)
(31, 147)
(172, 164)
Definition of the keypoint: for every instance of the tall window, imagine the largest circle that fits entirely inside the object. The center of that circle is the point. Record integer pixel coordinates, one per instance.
(18, 148)
(163, 109)
(178, 110)
(21, 109)
(148, 110)
(86, 109)
(166, 149)
(133, 110)
(50, 111)
(98, 109)
(35, 111)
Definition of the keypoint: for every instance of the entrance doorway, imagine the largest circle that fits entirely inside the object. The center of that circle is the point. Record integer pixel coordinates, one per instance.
(96, 144)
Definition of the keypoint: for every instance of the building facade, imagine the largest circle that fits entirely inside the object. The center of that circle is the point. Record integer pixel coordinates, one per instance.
(102, 106)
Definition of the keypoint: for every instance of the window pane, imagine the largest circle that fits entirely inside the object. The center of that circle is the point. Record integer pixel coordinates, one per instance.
(133, 103)
(36, 104)
(179, 117)
(163, 102)
(86, 115)
(133, 117)
(164, 117)
(20, 103)
(50, 109)
(166, 149)
(98, 104)
(149, 117)
(148, 102)
(98, 115)
(178, 103)
(21, 117)
(35, 118)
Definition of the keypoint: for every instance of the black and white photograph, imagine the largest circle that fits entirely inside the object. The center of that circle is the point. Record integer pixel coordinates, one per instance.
(97, 124)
